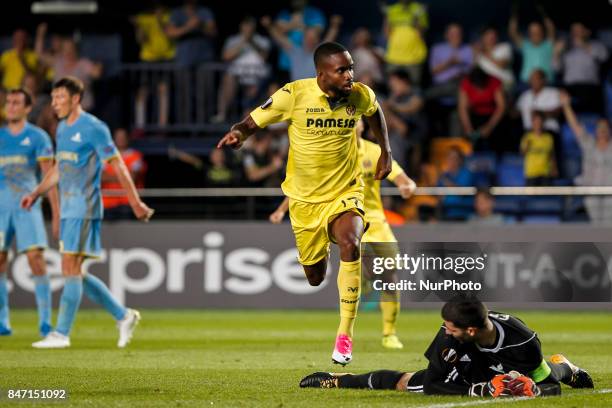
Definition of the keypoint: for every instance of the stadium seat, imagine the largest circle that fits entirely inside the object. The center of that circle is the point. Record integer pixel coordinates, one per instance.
(510, 171)
(508, 205)
(569, 145)
(572, 167)
(482, 165)
(589, 121)
(543, 205)
(541, 219)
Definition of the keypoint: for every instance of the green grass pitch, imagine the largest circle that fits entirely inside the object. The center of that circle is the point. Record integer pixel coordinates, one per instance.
(253, 358)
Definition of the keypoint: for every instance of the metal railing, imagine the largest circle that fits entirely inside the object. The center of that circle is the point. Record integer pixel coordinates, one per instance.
(246, 203)
(385, 191)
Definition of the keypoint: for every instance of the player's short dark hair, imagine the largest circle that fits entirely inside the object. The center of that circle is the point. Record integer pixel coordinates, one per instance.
(73, 85)
(27, 97)
(465, 311)
(325, 50)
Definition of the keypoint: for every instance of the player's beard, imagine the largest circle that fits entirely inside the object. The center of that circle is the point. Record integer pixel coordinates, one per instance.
(341, 92)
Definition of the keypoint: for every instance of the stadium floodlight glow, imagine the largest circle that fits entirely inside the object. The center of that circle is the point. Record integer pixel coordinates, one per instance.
(64, 7)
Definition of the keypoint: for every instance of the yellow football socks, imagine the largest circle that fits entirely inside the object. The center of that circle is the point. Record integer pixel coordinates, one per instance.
(349, 289)
(390, 307)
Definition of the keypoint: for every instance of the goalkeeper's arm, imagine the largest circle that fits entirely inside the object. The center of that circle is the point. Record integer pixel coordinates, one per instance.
(434, 383)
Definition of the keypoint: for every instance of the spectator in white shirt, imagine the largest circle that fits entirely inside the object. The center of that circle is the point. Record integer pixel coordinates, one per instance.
(542, 98)
(495, 58)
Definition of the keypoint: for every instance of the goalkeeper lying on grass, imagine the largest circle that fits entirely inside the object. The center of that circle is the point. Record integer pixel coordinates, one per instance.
(477, 353)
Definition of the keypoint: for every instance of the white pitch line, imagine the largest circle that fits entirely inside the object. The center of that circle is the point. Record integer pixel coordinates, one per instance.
(497, 400)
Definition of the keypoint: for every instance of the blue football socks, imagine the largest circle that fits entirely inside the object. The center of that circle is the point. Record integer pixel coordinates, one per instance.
(69, 304)
(42, 291)
(98, 292)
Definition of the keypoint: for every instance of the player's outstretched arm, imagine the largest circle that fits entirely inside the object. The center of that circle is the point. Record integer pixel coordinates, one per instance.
(49, 181)
(405, 184)
(238, 133)
(46, 166)
(277, 216)
(379, 128)
(140, 209)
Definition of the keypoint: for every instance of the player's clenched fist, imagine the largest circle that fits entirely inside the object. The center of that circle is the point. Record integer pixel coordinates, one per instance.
(233, 139)
(28, 201)
(513, 384)
(383, 167)
(523, 386)
(496, 387)
(143, 212)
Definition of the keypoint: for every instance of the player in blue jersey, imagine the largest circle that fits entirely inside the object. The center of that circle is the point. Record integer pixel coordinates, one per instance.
(83, 144)
(23, 149)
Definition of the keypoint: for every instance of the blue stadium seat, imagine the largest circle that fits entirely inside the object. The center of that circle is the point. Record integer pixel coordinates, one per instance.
(510, 171)
(541, 219)
(482, 162)
(482, 165)
(589, 121)
(543, 205)
(572, 154)
(569, 145)
(572, 167)
(508, 205)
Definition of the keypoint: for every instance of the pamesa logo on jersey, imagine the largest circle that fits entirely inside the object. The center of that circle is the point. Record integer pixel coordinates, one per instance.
(331, 123)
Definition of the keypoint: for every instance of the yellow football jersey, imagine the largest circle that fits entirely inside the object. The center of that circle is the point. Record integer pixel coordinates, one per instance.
(322, 161)
(369, 153)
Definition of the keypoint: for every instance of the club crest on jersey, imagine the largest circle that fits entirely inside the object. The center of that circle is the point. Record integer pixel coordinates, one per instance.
(266, 103)
(449, 355)
(351, 109)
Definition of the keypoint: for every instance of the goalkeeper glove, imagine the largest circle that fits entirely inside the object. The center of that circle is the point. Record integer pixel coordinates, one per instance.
(522, 386)
(496, 387)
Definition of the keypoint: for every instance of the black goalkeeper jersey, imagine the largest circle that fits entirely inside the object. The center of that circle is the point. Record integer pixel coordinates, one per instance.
(454, 366)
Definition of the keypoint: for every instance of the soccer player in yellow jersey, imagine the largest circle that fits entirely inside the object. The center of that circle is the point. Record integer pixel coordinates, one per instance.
(324, 182)
(379, 230)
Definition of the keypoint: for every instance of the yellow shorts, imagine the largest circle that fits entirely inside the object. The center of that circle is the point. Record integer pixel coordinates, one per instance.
(378, 231)
(310, 222)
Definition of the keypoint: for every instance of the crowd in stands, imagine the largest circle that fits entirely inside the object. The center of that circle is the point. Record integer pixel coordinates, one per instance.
(527, 111)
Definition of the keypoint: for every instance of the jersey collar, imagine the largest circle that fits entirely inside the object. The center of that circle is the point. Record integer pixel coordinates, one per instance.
(332, 105)
(21, 133)
(502, 335)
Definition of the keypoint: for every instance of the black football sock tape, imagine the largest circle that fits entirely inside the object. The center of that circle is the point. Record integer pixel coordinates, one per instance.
(376, 380)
